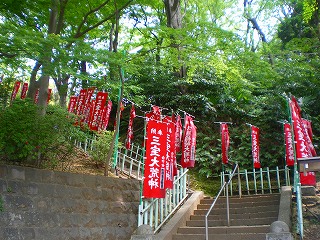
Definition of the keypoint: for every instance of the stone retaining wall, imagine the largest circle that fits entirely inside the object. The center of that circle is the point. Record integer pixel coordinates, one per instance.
(48, 205)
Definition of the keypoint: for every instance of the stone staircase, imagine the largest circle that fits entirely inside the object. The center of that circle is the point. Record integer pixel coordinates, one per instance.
(250, 218)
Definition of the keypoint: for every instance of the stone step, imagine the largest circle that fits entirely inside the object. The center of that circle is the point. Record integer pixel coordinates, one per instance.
(242, 236)
(237, 204)
(272, 214)
(225, 230)
(233, 222)
(242, 210)
(236, 199)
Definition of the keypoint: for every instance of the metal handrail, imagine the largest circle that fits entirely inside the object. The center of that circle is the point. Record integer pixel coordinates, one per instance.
(227, 198)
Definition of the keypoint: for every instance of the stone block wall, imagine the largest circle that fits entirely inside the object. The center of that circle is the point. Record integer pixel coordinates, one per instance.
(47, 205)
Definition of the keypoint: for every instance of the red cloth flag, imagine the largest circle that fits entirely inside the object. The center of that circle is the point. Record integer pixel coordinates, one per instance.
(15, 90)
(188, 143)
(81, 101)
(130, 130)
(225, 141)
(155, 157)
(98, 109)
(302, 146)
(255, 147)
(87, 105)
(289, 145)
(24, 90)
(307, 125)
(178, 133)
(72, 104)
(171, 152)
(155, 114)
(106, 115)
(36, 96)
(49, 95)
(303, 143)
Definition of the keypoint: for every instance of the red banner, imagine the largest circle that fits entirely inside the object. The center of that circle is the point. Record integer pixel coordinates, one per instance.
(24, 90)
(106, 115)
(36, 96)
(302, 146)
(289, 145)
(87, 105)
(307, 125)
(15, 90)
(49, 95)
(155, 114)
(171, 152)
(178, 133)
(97, 111)
(255, 146)
(155, 156)
(188, 143)
(72, 104)
(130, 130)
(224, 142)
(81, 101)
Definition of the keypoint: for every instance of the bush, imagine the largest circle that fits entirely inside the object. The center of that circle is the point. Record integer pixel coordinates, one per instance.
(30, 139)
(101, 146)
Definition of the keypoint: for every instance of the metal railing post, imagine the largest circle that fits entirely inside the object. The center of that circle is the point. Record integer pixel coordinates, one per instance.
(227, 198)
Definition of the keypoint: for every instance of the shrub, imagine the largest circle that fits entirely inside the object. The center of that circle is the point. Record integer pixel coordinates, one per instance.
(28, 138)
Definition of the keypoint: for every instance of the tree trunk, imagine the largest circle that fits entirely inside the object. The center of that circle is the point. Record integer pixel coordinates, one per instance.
(174, 20)
(44, 79)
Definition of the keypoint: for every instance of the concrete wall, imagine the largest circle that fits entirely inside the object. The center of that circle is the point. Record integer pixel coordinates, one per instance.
(48, 205)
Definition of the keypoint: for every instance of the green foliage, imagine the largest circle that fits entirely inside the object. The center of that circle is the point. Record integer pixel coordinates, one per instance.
(101, 147)
(27, 138)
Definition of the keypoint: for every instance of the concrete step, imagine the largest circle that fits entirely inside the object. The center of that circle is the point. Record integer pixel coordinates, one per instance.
(224, 230)
(242, 236)
(272, 214)
(242, 210)
(236, 199)
(237, 204)
(233, 222)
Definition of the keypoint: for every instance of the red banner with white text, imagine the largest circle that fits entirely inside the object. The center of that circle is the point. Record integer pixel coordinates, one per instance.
(178, 133)
(24, 90)
(15, 90)
(106, 115)
(255, 146)
(289, 145)
(81, 101)
(101, 99)
(171, 152)
(301, 143)
(155, 157)
(224, 142)
(188, 143)
(130, 129)
(72, 104)
(36, 96)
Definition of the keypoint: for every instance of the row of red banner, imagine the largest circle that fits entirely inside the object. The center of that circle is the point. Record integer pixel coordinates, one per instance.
(94, 112)
(24, 90)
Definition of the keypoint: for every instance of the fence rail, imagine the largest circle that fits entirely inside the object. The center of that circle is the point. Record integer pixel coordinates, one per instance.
(258, 181)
